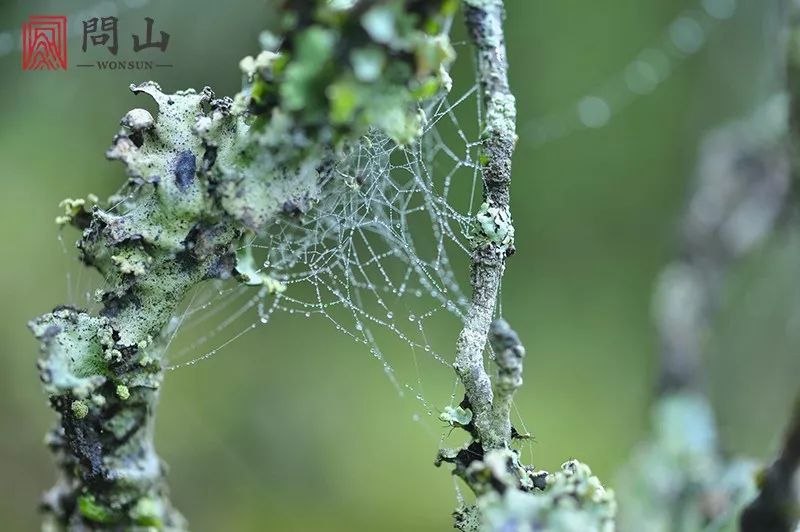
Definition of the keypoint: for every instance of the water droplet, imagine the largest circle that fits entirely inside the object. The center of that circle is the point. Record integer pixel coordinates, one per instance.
(359, 326)
(641, 77)
(308, 314)
(658, 60)
(687, 35)
(389, 315)
(411, 317)
(594, 111)
(720, 9)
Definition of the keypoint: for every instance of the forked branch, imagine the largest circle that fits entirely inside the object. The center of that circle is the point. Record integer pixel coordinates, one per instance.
(510, 496)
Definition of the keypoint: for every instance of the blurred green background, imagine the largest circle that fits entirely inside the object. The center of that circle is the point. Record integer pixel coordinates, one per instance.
(250, 444)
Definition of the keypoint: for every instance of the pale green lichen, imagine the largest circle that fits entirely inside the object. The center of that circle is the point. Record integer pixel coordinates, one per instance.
(493, 228)
(72, 343)
(251, 65)
(510, 496)
(573, 500)
(74, 207)
(122, 422)
(502, 115)
(249, 274)
(147, 513)
(368, 63)
(122, 392)
(138, 120)
(456, 416)
(132, 261)
(79, 409)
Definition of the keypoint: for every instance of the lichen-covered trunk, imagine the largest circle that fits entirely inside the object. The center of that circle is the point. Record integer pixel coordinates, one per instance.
(103, 372)
(203, 175)
(110, 474)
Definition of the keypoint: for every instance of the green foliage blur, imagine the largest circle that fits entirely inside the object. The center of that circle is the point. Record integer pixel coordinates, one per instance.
(294, 427)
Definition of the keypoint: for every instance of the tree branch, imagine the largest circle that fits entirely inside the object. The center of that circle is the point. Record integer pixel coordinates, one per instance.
(739, 198)
(510, 496)
(494, 239)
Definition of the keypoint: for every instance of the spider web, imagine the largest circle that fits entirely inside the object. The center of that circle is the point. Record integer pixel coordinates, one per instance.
(382, 256)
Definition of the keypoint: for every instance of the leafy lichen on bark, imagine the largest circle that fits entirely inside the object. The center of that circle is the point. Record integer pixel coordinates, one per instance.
(202, 173)
(159, 241)
(572, 499)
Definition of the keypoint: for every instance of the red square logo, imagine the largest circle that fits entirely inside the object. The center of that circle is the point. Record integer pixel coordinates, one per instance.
(44, 43)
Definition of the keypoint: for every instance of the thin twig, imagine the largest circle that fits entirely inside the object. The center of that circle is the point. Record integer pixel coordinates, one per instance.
(484, 21)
